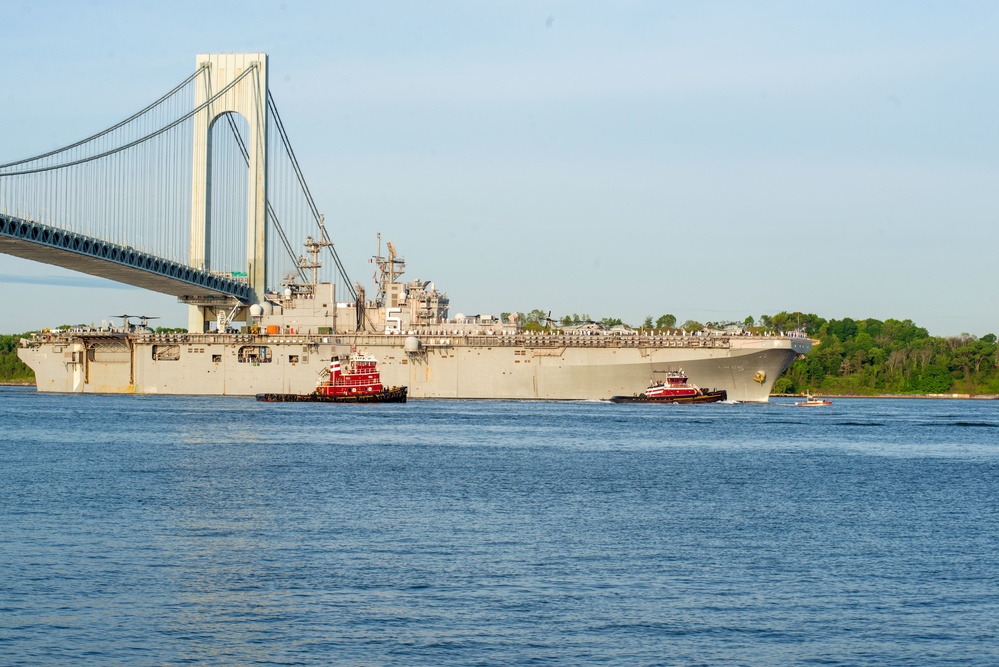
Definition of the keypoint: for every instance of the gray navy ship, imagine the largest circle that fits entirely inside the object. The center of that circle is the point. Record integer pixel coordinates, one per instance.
(286, 342)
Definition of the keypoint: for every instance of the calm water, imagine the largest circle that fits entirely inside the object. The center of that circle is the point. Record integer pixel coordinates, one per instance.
(218, 531)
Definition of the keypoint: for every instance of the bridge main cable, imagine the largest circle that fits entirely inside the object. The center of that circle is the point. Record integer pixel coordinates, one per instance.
(108, 130)
(131, 144)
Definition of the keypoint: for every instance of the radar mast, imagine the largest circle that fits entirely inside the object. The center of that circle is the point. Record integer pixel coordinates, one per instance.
(389, 268)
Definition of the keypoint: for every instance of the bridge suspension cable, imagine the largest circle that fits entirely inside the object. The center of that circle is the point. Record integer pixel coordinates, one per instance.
(271, 214)
(317, 217)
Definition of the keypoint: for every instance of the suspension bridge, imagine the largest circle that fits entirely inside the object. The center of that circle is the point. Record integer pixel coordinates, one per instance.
(198, 195)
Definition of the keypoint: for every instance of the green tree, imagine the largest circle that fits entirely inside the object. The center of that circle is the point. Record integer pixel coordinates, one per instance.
(934, 379)
(872, 326)
(863, 341)
(12, 369)
(974, 355)
(536, 316)
(666, 321)
(843, 329)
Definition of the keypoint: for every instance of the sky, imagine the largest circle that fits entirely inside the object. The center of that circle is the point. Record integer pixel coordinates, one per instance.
(712, 160)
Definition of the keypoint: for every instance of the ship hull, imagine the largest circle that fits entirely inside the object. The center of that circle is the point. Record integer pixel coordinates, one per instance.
(466, 367)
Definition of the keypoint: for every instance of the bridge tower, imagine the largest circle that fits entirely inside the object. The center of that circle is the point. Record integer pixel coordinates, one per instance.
(249, 99)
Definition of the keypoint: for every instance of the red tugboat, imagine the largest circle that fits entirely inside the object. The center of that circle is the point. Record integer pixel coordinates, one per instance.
(354, 379)
(674, 389)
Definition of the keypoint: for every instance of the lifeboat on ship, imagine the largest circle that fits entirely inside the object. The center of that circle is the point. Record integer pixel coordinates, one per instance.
(673, 389)
(352, 379)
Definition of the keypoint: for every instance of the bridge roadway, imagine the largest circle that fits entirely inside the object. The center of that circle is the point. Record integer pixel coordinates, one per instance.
(42, 243)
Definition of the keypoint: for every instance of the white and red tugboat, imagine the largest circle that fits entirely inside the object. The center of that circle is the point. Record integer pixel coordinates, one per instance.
(674, 389)
(354, 379)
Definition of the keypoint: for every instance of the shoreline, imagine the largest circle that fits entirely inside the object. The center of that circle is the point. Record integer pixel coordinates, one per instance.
(928, 397)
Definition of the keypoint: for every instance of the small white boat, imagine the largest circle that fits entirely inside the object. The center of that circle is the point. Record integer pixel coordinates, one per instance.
(809, 401)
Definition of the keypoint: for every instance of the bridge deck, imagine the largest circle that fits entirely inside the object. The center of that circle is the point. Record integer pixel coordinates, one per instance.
(42, 243)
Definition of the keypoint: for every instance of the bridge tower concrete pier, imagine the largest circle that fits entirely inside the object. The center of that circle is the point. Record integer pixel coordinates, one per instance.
(248, 97)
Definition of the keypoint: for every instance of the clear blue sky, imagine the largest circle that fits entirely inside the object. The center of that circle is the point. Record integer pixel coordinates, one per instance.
(708, 159)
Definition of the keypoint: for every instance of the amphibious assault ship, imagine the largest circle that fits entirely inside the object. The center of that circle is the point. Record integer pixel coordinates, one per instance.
(288, 340)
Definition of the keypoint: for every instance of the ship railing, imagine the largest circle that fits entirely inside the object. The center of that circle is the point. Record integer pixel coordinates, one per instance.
(436, 341)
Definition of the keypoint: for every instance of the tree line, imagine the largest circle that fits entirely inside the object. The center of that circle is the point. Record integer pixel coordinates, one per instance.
(874, 357)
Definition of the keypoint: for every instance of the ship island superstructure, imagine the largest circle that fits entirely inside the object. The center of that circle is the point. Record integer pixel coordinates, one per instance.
(289, 339)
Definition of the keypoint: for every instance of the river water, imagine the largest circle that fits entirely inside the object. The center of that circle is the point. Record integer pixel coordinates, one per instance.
(151, 530)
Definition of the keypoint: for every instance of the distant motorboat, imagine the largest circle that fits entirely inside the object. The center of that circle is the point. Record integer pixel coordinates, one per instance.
(810, 401)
